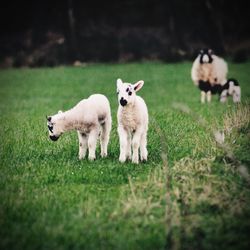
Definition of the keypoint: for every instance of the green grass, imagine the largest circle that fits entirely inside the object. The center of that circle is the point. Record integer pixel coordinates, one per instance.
(198, 199)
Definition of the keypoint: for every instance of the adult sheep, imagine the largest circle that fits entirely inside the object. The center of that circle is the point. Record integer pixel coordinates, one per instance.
(208, 72)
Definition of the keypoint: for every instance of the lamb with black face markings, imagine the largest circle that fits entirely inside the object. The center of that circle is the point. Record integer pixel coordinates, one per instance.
(91, 118)
(132, 119)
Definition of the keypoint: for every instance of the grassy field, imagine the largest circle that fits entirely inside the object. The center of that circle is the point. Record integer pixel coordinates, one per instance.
(193, 193)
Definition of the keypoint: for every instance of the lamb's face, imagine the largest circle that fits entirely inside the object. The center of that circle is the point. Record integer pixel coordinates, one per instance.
(54, 124)
(205, 56)
(127, 92)
(232, 86)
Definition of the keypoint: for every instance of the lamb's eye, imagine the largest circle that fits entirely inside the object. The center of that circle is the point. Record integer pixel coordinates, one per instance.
(117, 92)
(129, 93)
(50, 128)
(127, 90)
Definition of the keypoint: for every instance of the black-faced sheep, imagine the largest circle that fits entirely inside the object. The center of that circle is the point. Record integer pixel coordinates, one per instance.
(208, 72)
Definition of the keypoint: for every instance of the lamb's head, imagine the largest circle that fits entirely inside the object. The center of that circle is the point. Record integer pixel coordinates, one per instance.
(55, 125)
(232, 83)
(127, 92)
(206, 56)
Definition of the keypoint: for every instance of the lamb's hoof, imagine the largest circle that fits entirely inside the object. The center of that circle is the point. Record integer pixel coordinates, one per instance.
(81, 157)
(135, 161)
(143, 160)
(104, 155)
(122, 159)
(129, 157)
(91, 158)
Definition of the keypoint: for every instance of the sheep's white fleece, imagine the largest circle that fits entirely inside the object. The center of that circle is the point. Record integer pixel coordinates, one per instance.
(132, 124)
(89, 117)
(134, 115)
(214, 73)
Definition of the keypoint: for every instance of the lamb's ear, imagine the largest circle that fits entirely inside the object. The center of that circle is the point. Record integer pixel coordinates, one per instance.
(60, 111)
(137, 86)
(119, 83)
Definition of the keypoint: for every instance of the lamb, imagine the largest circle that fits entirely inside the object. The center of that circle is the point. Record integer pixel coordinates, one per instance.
(208, 72)
(91, 118)
(230, 87)
(132, 119)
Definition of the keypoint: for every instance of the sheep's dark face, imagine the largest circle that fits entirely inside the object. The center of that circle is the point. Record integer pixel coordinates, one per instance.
(205, 56)
(54, 127)
(127, 92)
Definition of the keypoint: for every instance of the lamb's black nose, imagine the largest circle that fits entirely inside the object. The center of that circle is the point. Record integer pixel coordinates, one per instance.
(123, 102)
(53, 138)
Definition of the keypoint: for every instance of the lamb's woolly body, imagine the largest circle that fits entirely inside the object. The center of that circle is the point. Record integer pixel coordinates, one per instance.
(132, 119)
(87, 114)
(89, 117)
(133, 115)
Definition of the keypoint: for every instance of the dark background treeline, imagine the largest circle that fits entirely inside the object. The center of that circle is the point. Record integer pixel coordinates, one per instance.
(48, 33)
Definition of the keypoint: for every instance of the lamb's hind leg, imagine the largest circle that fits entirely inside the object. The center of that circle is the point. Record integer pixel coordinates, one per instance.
(143, 147)
(92, 140)
(104, 138)
(236, 94)
(83, 144)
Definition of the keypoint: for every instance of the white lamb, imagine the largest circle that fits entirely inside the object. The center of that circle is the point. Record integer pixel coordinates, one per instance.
(230, 88)
(90, 117)
(132, 119)
(208, 72)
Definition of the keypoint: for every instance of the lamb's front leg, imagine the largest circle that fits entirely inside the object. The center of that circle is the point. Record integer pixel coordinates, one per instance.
(83, 144)
(128, 151)
(92, 140)
(135, 144)
(123, 135)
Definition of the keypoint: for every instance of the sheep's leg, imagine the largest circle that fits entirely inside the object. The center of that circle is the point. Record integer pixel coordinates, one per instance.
(128, 151)
(83, 144)
(123, 143)
(92, 140)
(104, 139)
(143, 147)
(135, 144)
(209, 96)
(223, 96)
(203, 96)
